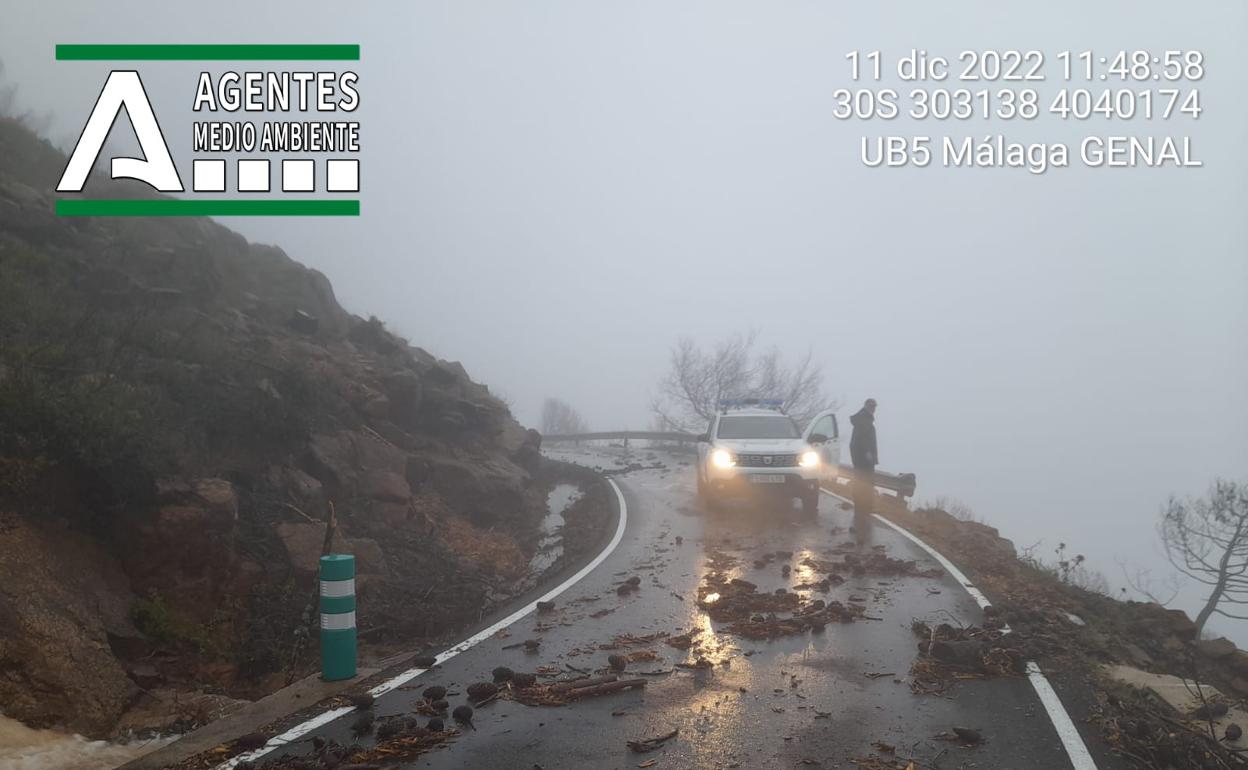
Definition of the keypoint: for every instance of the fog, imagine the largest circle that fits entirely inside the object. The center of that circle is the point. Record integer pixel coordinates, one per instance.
(553, 192)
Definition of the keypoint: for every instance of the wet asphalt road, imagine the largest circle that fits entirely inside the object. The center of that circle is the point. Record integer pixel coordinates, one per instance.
(798, 701)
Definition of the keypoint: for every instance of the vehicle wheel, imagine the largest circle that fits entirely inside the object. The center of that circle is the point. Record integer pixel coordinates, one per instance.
(810, 504)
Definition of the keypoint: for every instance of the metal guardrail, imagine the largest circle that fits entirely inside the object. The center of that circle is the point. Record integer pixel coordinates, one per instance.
(615, 435)
(903, 484)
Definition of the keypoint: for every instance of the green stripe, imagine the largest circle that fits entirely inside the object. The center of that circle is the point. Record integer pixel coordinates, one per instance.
(337, 566)
(180, 207)
(333, 605)
(206, 52)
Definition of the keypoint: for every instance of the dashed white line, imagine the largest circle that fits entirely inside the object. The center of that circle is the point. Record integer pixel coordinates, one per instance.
(325, 717)
(1066, 730)
(1076, 750)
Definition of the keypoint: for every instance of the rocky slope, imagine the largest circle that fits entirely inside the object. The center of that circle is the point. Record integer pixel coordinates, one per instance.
(1082, 635)
(179, 410)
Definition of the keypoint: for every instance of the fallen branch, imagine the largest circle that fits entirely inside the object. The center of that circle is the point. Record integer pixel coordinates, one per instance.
(576, 684)
(608, 687)
(650, 744)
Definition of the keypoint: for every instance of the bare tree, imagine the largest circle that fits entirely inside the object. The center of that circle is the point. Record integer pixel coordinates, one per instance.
(1207, 540)
(558, 418)
(1141, 581)
(698, 378)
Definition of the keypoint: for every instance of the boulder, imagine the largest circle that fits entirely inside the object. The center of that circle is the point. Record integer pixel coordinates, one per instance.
(486, 492)
(388, 516)
(329, 460)
(219, 498)
(306, 490)
(965, 653)
(338, 460)
(1216, 648)
(386, 486)
(1137, 656)
(303, 542)
(1175, 622)
(368, 555)
(145, 675)
(61, 600)
(528, 454)
(1173, 645)
(304, 322)
(191, 539)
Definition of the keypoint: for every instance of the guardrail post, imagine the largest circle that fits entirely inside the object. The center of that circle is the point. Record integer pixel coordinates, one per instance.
(338, 638)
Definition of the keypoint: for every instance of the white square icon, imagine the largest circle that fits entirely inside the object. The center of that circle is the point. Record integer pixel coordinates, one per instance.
(253, 176)
(342, 175)
(298, 175)
(208, 175)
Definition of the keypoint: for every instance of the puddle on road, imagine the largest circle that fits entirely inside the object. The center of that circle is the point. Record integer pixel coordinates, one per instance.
(550, 548)
(24, 748)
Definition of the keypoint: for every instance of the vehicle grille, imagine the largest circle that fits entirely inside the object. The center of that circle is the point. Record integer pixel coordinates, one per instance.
(761, 461)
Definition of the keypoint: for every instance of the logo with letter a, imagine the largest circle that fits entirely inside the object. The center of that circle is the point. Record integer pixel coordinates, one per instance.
(155, 168)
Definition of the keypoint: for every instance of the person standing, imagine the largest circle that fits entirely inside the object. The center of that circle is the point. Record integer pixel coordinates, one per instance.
(865, 454)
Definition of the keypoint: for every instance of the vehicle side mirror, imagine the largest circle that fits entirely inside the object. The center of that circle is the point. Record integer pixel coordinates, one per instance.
(818, 438)
(704, 438)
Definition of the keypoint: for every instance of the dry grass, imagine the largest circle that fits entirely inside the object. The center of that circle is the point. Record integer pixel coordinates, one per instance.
(489, 549)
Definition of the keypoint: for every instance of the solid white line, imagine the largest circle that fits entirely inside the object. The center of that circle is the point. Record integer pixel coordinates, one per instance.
(325, 717)
(1076, 750)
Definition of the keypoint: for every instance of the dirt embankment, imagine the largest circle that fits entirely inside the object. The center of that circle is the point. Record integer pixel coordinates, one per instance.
(179, 412)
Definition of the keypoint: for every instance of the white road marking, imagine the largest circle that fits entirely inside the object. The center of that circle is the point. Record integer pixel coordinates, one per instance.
(949, 566)
(1076, 750)
(325, 717)
(1066, 730)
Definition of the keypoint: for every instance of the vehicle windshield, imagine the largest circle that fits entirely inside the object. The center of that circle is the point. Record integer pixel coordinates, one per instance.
(760, 426)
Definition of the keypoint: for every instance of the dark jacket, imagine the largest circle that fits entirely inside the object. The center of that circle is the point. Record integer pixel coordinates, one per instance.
(862, 447)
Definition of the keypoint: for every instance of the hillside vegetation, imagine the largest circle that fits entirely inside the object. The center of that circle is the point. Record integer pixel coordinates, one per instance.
(178, 410)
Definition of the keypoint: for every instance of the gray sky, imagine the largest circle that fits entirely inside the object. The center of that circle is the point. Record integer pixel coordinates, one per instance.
(554, 191)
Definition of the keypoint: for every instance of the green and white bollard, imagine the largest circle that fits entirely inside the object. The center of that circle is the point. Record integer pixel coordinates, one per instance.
(337, 617)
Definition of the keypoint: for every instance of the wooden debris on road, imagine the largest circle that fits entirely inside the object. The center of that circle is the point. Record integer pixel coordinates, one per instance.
(650, 744)
(571, 684)
(569, 690)
(682, 641)
(947, 654)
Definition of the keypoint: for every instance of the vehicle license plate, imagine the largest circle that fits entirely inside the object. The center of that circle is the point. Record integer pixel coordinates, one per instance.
(767, 478)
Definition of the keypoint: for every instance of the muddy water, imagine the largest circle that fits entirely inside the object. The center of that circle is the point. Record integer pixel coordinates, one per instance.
(550, 549)
(22, 748)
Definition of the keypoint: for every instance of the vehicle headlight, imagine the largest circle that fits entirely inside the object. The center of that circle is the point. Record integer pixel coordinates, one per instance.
(722, 458)
(809, 459)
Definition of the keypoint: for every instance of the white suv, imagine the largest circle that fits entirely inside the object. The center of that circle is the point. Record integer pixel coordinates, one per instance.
(752, 446)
